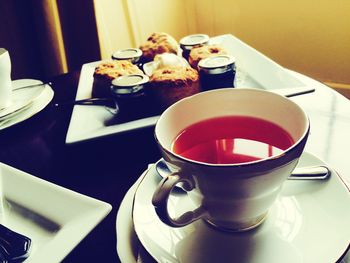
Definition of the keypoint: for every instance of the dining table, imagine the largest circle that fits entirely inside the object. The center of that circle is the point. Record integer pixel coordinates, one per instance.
(105, 168)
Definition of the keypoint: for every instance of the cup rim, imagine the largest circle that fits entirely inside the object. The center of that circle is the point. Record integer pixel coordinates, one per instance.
(289, 154)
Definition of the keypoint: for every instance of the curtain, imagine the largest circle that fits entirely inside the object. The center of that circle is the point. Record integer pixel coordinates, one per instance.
(48, 37)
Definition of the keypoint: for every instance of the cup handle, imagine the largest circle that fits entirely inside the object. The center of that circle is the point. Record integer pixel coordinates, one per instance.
(161, 196)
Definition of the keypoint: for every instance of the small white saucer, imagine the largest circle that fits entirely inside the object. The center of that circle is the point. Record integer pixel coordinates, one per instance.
(26, 102)
(308, 223)
(21, 98)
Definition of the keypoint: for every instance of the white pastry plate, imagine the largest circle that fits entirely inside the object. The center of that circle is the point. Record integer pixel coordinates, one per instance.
(254, 70)
(26, 102)
(308, 223)
(54, 218)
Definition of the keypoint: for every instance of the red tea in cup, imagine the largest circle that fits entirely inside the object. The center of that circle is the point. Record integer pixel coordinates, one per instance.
(231, 140)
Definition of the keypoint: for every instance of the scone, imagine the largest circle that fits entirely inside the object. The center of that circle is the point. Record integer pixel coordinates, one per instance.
(199, 53)
(109, 70)
(158, 43)
(170, 84)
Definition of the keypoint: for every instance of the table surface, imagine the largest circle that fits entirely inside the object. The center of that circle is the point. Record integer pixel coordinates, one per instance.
(105, 168)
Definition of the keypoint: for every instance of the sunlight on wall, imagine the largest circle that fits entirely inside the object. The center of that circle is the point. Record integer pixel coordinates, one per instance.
(157, 15)
(113, 27)
(306, 36)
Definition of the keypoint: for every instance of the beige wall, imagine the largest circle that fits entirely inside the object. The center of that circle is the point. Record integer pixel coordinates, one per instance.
(157, 15)
(311, 37)
(114, 30)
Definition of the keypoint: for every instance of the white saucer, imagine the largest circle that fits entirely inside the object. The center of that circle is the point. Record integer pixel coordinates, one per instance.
(20, 98)
(26, 102)
(308, 223)
(128, 246)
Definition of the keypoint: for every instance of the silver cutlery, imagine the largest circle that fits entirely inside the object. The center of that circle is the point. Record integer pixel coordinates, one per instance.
(301, 173)
(295, 91)
(320, 172)
(33, 86)
(19, 88)
(17, 109)
(110, 104)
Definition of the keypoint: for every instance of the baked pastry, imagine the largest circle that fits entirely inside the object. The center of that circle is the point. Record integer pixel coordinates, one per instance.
(109, 70)
(170, 84)
(158, 43)
(199, 53)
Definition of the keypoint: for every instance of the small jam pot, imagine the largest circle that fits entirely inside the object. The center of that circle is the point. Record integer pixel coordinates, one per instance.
(129, 86)
(191, 41)
(132, 54)
(129, 93)
(217, 72)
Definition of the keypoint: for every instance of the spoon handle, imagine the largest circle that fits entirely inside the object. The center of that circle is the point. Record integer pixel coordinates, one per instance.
(296, 91)
(319, 172)
(91, 101)
(310, 173)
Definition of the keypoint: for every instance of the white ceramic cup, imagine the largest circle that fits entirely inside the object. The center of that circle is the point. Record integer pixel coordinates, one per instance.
(5, 79)
(234, 197)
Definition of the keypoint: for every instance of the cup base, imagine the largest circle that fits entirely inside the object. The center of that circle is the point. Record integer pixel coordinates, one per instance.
(236, 227)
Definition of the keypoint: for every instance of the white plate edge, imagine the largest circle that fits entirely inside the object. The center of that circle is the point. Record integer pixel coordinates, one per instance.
(100, 211)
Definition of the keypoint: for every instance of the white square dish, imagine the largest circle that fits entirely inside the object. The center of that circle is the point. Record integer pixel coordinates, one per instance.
(54, 218)
(253, 70)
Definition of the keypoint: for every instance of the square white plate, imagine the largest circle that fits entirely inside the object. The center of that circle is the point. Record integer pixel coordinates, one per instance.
(254, 70)
(54, 218)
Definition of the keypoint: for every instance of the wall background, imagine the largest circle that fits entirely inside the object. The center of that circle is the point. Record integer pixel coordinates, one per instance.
(50, 37)
(311, 37)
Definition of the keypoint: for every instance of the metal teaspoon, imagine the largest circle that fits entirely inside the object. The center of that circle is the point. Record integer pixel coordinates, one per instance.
(301, 173)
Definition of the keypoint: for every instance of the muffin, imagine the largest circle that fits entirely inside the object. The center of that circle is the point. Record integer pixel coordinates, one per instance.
(199, 53)
(170, 84)
(109, 70)
(158, 43)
